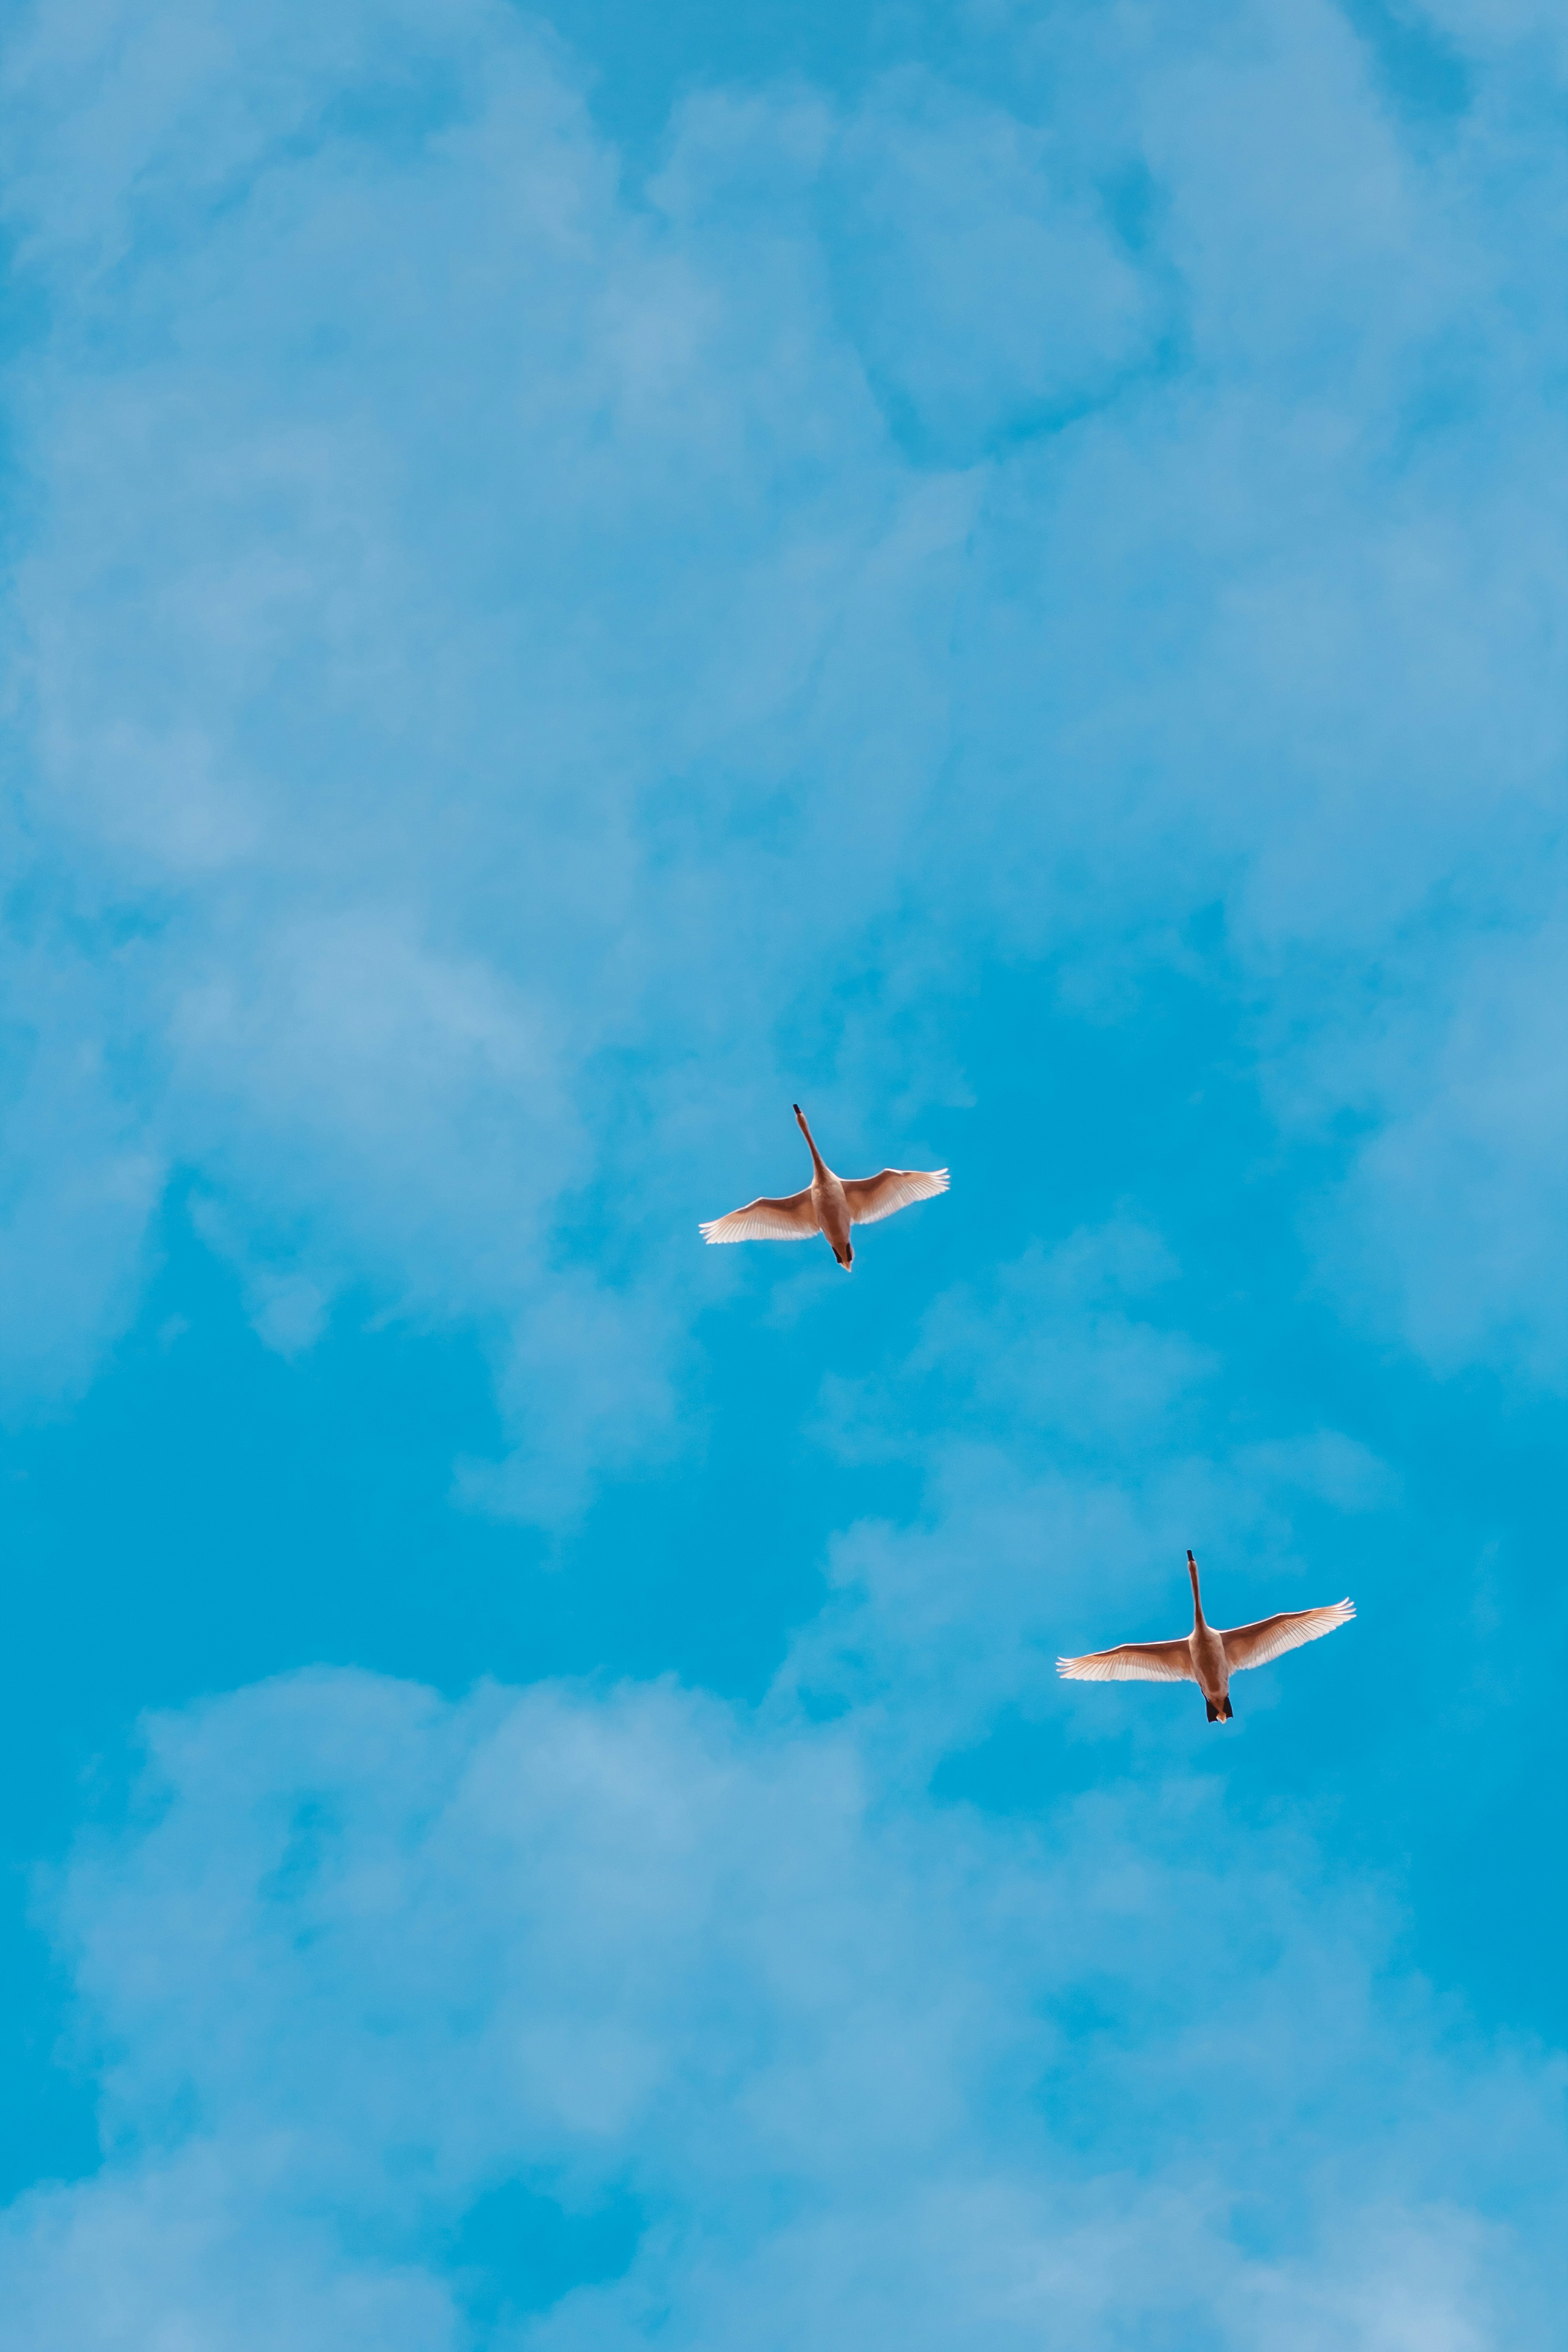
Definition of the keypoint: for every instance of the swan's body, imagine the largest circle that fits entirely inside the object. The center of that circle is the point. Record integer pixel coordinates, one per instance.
(830, 1204)
(1207, 1657)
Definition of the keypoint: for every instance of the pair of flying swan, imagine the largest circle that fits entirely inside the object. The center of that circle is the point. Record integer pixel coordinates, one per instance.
(830, 1205)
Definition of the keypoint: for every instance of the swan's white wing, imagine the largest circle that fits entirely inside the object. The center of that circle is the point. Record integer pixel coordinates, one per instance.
(1133, 1661)
(1254, 1645)
(871, 1198)
(791, 1219)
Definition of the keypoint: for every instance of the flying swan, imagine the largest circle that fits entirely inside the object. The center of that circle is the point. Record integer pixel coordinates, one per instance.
(1207, 1657)
(830, 1204)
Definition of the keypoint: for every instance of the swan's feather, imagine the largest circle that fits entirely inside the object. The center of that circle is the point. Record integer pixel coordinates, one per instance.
(790, 1219)
(1270, 1637)
(1131, 1662)
(871, 1198)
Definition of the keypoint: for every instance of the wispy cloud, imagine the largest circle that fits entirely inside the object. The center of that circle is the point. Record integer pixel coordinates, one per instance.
(511, 671)
(1065, 1463)
(474, 624)
(867, 2068)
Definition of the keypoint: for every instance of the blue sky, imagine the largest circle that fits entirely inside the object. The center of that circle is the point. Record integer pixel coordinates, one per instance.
(569, 583)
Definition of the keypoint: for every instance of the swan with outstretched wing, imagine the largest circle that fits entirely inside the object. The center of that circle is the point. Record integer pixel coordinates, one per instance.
(1208, 1657)
(829, 1205)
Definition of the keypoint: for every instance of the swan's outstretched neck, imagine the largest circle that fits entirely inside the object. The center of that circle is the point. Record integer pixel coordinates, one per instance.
(1197, 1597)
(817, 1157)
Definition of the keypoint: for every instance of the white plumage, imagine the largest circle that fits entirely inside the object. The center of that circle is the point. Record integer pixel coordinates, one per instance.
(830, 1204)
(1208, 1657)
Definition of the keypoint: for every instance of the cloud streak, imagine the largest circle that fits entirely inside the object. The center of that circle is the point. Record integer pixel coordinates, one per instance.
(478, 631)
(513, 669)
(863, 2066)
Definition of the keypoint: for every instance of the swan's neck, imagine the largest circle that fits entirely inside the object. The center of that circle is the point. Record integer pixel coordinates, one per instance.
(818, 1161)
(1197, 1597)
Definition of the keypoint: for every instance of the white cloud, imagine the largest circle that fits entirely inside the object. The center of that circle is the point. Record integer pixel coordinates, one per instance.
(82, 1176)
(870, 2065)
(1066, 1463)
(983, 287)
(483, 636)
(492, 680)
(1459, 1201)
